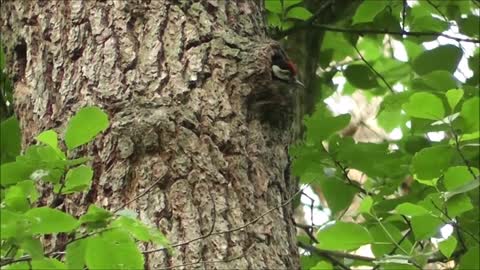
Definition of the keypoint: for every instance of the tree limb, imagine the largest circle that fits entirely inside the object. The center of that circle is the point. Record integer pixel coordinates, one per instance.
(389, 32)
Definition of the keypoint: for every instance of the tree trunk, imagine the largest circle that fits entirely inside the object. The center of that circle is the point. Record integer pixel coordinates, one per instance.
(174, 77)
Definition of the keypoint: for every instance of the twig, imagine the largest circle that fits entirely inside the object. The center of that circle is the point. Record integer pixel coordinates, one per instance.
(204, 262)
(331, 255)
(404, 14)
(389, 32)
(227, 231)
(457, 147)
(28, 258)
(373, 69)
(307, 23)
(476, 3)
(56, 201)
(311, 206)
(345, 173)
(138, 196)
(438, 10)
(454, 223)
(308, 230)
(389, 235)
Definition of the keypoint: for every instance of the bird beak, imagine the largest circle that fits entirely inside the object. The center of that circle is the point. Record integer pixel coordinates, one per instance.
(299, 83)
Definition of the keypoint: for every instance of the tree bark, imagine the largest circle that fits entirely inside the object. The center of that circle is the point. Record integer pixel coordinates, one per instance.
(174, 77)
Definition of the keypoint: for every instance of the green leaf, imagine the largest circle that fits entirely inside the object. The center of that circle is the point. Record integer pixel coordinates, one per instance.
(50, 137)
(413, 144)
(438, 80)
(33, 246)
(389, 120)
(431, 162)
(29, 189)
(465, 188)
(444, 57)
(78, 179)
(458, 205)
(322, 265)
(410, 209)
(16, 199)
(343, 236)
(448, 246)
(48, 220)
(300, 13)
(425, 105)
(383, 242)
(428, 23)
(471, 114)
(13, 224)
(366, 205)
(387, 163)
(338, 194)
(289, 3)
(113, 249)
(469, 25)
(471, 259)
(458, 176)
(453, 97)
(10, 139)
(274, 6)
(321, 125)
(84, 126)
(48, 263)
(367, 11)
(140, 231)
(274, 20)
(75, 257)
(13, 172)
(425, 227)
(18, 266)
(360, 76)
(96, 216)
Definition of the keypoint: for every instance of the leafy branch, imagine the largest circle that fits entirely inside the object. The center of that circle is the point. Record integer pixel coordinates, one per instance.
(390, 32)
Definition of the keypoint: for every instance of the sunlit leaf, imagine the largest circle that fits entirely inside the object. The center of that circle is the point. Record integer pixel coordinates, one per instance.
(343, 236)
(84, 126)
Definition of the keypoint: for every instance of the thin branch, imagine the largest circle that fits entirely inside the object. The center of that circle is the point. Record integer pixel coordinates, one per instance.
(389, 32)
(138, 196)
(345, 173)
(56, 251)
(476, 3)
(332, 255)
(457, 147)
(389, 235)
(311, 206)
(438, 10)
(56, 201)
(404, 14)
(308, 230)
(373, 69)
(307, 23)
(204, 262)
(454, 223)
(231, 230)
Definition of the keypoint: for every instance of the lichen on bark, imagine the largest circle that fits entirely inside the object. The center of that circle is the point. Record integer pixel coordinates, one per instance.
(174, 77)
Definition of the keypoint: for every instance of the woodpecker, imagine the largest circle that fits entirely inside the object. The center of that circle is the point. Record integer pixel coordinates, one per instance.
(275, 101)
(283, 68)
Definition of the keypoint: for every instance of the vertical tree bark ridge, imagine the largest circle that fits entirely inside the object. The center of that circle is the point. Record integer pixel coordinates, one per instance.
(174, 77)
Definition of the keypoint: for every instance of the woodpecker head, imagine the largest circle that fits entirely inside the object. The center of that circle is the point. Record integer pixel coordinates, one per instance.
(283, 68)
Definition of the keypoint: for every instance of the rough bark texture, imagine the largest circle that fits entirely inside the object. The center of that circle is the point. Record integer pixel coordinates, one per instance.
(174, 77)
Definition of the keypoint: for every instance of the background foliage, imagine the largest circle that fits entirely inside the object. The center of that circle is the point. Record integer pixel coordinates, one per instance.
(412, 185)
(419, 174)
